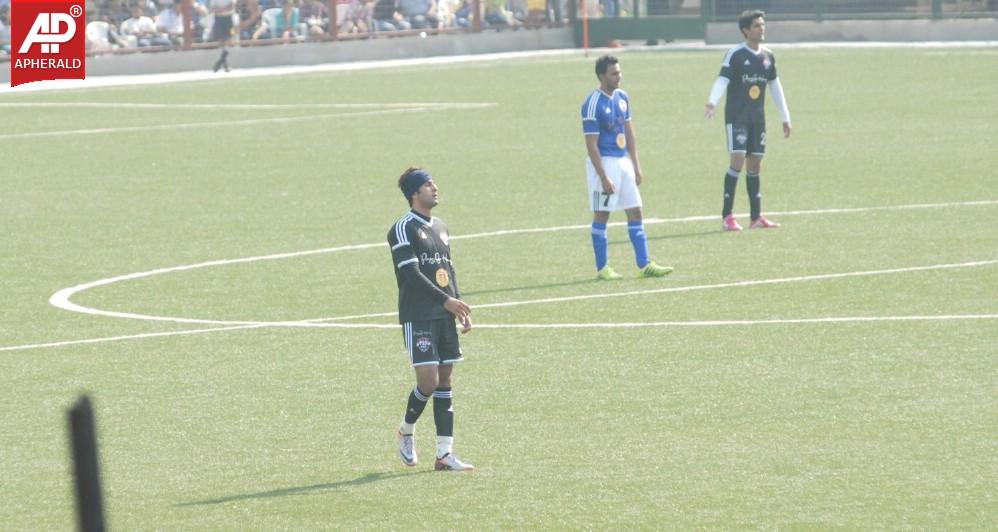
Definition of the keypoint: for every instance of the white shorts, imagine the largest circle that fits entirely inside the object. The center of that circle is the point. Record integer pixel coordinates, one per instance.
(620, 171)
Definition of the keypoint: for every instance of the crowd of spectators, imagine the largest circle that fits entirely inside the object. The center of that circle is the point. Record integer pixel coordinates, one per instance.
(116, 24)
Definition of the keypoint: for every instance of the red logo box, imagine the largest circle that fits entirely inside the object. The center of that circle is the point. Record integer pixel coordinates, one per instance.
(48, 40)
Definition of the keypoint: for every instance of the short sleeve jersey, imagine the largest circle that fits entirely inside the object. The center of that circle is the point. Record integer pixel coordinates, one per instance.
(425, 245)
(748, 73)
(605, 115)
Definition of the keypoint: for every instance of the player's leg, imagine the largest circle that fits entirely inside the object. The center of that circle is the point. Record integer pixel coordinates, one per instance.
(419, 342)
(443, 398)
(601, 204)
(737, 139)
(753, 165)
(630, 201)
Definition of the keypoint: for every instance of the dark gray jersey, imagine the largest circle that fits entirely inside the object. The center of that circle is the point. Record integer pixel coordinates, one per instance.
(423, 267)
(748, 73)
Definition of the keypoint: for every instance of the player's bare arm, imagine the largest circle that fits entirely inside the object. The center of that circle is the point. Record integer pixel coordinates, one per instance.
(632, 151)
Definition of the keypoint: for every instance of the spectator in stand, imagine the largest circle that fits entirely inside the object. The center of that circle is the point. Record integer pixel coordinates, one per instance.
(316, 15)
(446, 12)
(356, 17)
(611, 8)
(249, 18)
(4, 30)
(285, 24)
(170, 22)
(387, 17)
(497, 16)
(420, 13)
(114, 12)
(464, 16)
(143, 29)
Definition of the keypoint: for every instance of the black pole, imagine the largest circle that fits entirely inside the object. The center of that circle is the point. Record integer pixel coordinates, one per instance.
(89, 503)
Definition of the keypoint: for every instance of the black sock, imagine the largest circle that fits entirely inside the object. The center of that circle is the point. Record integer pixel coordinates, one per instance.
(414, 407)
(754, 197)
(443, 413)
(730, 184)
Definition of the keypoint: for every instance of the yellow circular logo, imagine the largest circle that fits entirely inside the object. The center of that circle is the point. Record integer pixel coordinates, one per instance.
(753, 92)
(621, 140)
(442, 278)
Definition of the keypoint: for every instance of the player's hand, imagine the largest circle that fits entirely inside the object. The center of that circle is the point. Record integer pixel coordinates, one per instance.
(466, 324)
(458, 308)
(608, 186)
(638, 175)
(710, 111)
(786, 130)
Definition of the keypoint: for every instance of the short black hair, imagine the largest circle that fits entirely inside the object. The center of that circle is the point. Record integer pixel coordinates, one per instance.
(745, 21)
(604, 63)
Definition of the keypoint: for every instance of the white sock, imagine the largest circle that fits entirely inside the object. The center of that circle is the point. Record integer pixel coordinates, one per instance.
(407, 428)
(444, 445)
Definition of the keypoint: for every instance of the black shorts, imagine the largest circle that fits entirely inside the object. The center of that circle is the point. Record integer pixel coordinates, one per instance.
(221, 30)
(747, 138)
(432, 342)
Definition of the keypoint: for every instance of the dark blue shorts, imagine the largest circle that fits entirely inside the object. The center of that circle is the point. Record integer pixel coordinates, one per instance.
(746, 138)
(432, 342)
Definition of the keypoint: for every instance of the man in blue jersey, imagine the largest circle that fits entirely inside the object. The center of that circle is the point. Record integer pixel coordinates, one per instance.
(613, 170)
(745, 73)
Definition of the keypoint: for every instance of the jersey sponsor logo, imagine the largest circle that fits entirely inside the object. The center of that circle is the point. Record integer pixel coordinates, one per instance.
(443, 279)
(48, 40)
(436, 258)
(754, 92)
(754, 78)
(621, 140)
(423, 343)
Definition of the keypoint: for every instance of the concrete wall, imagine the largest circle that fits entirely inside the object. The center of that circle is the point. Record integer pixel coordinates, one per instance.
(861, 30)
(327, 52)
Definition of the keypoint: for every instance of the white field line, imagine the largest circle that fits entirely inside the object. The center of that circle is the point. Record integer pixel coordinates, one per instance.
(675, 289)
(96, 82)
(619, 325)
(225, 123)
(237, 106)
(61, 299)
(717, 323)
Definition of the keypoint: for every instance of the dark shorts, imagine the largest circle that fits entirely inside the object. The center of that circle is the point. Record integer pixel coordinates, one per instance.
(432, 342)
(746, 138)
(221, 30)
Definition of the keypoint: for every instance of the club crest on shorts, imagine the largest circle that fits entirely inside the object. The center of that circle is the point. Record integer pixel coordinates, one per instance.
(423, 343)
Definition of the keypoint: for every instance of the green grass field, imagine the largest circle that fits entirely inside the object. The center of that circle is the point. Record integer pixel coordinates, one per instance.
(837, 373)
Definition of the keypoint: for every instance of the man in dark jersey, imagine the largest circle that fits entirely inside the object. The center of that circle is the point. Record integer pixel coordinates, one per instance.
(429, 302)
(746, 72)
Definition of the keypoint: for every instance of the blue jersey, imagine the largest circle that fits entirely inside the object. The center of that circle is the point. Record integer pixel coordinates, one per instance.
(605, 115)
